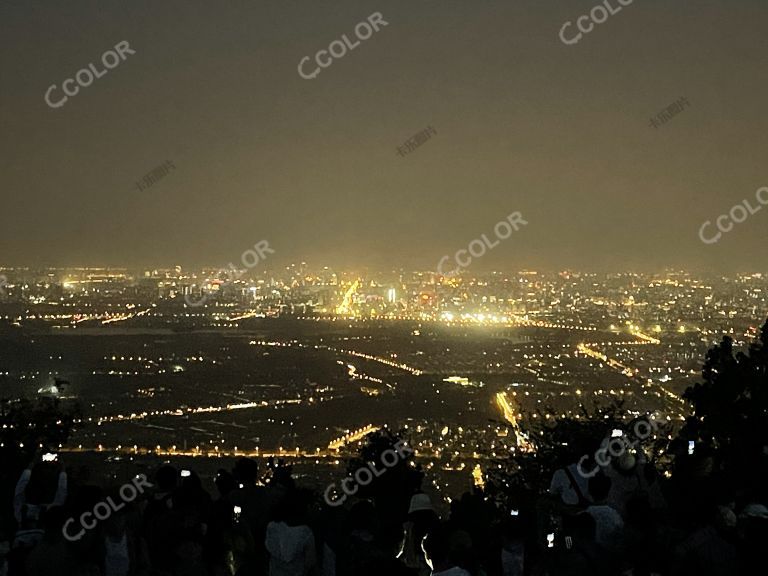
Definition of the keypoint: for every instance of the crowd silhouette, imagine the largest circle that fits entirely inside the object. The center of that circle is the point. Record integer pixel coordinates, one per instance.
(628, 521)
(696, 508)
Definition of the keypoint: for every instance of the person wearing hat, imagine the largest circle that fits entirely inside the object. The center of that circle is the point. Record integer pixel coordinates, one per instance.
(420, 503)
(421, 518)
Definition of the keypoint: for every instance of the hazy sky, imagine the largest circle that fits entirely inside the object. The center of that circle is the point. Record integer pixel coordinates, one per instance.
(524, 123)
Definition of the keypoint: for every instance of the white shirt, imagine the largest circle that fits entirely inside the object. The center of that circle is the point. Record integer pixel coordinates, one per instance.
(291, 549)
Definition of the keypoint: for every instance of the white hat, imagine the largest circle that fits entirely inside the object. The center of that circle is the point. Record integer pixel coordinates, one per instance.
(754, 511)
(420, 502)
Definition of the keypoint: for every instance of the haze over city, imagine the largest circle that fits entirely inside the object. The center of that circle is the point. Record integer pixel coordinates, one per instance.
(523, 122)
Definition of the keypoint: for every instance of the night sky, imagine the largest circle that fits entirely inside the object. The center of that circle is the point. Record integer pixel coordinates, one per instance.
(523, 123)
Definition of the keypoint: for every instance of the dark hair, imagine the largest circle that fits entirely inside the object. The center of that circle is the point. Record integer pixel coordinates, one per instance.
(599, 487)
(166, 477)
(246, 470)
(281, 475)
(224, 481)
(437, 544)
(424, 521)
(192, 482)
(294, 507)
(42, 484)
(512, 528)
(362, 515)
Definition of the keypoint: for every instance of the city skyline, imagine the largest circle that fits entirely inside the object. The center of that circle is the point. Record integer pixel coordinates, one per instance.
(171, 363)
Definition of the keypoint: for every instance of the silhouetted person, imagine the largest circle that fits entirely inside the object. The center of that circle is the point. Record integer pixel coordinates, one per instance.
(220, 523)
(439, 553)
(609, 526)
(124, 552)
(289, 539)
(256, 508)
(161, 523)
(53, 549)
(420, 520)
(575, 552)
(32, 498)
(512, 548)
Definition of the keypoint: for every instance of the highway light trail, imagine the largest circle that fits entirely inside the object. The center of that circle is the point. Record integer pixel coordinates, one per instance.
(188, 411)
(124, 317)
(379, 359)
(589, 349)
(352, 437)
(510, 416)
(345, 308)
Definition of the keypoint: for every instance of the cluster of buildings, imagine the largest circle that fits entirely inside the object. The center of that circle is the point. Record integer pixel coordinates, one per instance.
(294, 363)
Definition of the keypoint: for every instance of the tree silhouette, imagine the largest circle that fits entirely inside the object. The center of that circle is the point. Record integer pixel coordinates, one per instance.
(558, 442)
(391, 491)
(26, 425)
(730, 417)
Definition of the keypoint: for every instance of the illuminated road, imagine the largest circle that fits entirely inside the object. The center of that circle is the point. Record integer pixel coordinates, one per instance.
(592, 353)
(352, 437)
(124, 317)
(589, 349)
(345, 308)
(355, 375)
(510, 416)
(379, 359)
(519, 321)
(297, 453)
(251, 314)
(188, 411)
(635, 331)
